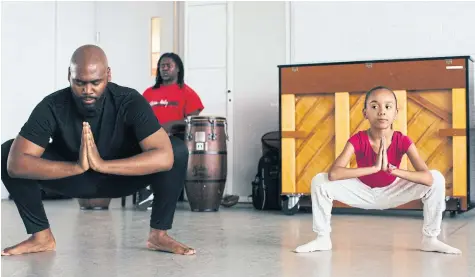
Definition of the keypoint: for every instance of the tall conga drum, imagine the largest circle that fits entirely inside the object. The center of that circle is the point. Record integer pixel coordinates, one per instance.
(206, 138)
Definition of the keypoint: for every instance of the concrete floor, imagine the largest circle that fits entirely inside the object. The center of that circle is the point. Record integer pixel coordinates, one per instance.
(237, 241)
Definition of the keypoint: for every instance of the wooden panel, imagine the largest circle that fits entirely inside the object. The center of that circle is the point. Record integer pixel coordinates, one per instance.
(288, 112)
(459, 120)
(294, 134)
(288, 165)
(400, 124)
(403, 75)
(427, 104)
(315, 115)
(288, 144)
(320, 132)
(453, 132)
(423, 125)
(342, 121)
(357, 120)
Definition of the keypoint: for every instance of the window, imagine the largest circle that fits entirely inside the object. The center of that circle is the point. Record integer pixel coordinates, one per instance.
(156, 32)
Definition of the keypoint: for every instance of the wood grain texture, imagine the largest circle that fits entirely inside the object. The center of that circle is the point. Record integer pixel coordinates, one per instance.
(294, 134)
(428, 105)
(342, 121)
(459, 120)
(453, 132)
(359, 77)
(357, 120)
(288, 112)
(400, 124)
(315, 115)
(288, 165)
(423, 125)
(288, 144)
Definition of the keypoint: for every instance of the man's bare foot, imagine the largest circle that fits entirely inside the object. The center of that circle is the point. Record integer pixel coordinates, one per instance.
(38, 242)
(160, 241)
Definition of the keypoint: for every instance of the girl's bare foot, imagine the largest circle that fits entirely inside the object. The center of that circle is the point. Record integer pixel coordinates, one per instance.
(38, 242)
(435, 245)
(160, 241)
(321, 243)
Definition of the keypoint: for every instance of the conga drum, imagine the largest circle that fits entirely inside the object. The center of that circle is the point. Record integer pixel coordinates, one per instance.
(206, 138)
(94, 203)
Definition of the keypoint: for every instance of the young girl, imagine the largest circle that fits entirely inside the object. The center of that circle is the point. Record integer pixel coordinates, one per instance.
(378, 183)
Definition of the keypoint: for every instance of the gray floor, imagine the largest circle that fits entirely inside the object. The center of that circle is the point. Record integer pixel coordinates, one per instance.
(237, 241)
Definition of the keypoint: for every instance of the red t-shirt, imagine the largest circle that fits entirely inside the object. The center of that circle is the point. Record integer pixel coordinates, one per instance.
(171, 102)
(365, 156)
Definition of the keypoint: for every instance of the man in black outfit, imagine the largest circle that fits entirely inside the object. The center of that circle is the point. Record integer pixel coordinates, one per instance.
(106, 142)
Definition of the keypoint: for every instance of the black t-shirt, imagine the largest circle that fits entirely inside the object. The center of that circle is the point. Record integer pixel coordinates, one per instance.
(125, 119)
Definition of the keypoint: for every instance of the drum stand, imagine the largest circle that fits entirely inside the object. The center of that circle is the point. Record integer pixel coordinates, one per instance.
(134, 199)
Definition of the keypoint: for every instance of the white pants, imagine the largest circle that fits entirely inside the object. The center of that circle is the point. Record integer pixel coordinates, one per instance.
(356, 194)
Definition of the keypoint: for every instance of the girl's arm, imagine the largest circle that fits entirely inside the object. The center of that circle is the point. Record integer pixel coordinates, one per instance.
(421, 175)
(339, 171)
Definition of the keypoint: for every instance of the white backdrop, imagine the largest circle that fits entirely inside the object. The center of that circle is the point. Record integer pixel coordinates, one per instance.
(349, 31)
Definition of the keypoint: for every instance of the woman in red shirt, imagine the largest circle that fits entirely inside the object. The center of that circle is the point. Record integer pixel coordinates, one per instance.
(378, 183)
(172, 101)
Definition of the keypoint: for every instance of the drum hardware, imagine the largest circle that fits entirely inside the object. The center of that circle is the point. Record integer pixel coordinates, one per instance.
(226, 130)
(188, 136)
(212, 136)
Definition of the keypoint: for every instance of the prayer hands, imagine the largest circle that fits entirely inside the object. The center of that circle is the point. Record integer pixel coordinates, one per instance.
(384, 166)
(379, 159)
(83, 161)
(93, 156)
(382, 163)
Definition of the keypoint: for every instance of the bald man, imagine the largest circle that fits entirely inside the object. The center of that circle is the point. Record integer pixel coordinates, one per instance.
(106, 142)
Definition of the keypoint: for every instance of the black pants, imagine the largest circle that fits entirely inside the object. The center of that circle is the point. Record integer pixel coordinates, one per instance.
(166, 187)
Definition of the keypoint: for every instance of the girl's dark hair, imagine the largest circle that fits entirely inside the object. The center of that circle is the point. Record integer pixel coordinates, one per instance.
(181, 70)
(368, 94)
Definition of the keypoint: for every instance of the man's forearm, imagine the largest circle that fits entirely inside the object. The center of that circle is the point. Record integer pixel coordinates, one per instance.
(29, 167)
(419, 177)
(148, 162)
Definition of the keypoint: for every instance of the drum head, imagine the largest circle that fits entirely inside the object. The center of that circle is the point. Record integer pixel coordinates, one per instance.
(205, 118)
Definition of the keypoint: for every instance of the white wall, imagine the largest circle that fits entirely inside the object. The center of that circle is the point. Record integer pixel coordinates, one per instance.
(349, 31)
(27, 62)
(125, 35)
(75, 25)
(259, 46)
